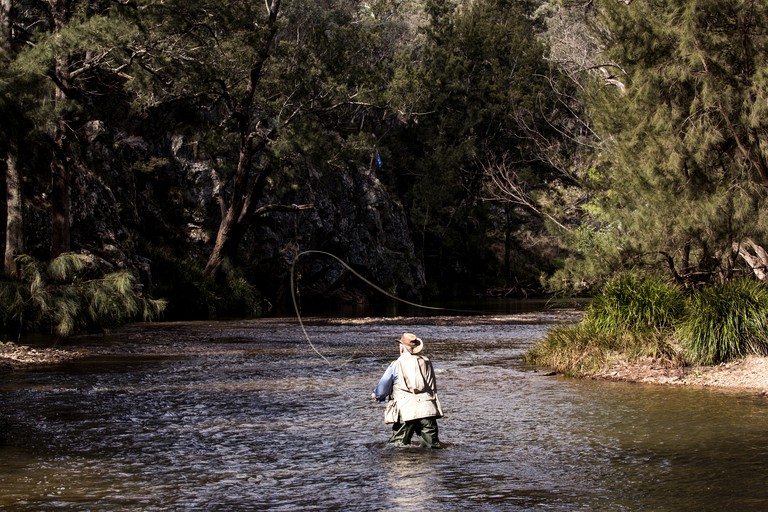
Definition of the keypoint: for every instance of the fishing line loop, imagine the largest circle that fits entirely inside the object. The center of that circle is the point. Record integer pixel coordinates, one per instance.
(354, 272)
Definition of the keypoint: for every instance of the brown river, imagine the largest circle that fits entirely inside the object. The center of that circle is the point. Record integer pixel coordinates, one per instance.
(251, 415)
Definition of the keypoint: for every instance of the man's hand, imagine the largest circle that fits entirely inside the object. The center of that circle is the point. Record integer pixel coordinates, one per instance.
(373, 396)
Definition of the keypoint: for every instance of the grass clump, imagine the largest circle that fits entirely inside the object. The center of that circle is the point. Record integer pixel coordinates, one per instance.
(725, 321)
(636, 305)
(577, 350)
(583, 350)
(631, 316)
(634, 317)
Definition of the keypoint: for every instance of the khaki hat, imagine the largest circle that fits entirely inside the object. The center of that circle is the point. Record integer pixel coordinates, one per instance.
(411, 342)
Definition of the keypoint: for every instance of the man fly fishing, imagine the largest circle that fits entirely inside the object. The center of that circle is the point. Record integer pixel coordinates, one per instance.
(413, 406)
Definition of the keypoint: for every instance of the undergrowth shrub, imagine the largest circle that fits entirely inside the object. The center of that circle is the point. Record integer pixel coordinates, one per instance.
(72, 293)
(192, 296)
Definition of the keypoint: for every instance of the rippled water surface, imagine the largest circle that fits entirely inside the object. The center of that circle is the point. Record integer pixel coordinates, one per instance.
(248, 416)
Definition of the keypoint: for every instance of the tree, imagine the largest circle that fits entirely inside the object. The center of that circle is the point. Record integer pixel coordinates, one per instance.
(254, 137)
(69, 70)
(14, 232)
(302, 85)
(685, 170)
(483, 89)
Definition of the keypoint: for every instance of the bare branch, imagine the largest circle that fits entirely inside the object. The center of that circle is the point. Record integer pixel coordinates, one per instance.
(502, 184)
(282, 208)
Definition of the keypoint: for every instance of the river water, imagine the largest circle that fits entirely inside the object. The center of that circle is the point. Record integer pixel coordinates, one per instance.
(250, 416)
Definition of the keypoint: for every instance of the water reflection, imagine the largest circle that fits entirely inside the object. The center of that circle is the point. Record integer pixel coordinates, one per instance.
(246, 416)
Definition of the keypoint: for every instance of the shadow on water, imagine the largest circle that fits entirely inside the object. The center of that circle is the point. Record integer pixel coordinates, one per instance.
(246, 416)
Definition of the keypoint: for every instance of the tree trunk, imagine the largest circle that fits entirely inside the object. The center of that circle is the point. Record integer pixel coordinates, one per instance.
(242, 200)
(60, 200)
(60, 205)
(215, 260)
(5, 26)
(14, 229)
(232, 215)
(507, 240)
(757, 262)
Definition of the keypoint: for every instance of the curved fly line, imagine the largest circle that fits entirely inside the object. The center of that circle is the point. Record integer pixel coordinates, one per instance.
(354, 272)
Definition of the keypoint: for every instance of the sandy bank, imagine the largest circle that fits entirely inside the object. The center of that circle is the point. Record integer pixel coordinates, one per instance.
(749, 374)
(14, 357)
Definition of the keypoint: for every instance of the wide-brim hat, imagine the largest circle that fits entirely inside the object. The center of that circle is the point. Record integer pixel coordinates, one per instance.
(411, 342)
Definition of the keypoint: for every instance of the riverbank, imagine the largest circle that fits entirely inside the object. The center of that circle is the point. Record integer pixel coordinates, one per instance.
(14, 357)
(749, 373)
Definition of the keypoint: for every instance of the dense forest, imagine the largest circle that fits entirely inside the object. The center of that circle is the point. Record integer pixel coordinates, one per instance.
(175, 158)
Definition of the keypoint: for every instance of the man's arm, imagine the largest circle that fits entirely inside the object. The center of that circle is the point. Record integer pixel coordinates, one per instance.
(387, 382)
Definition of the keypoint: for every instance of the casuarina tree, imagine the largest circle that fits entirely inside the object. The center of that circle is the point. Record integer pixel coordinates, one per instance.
(684, 171)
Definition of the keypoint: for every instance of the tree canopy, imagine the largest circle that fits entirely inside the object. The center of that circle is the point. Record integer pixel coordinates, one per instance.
(681, 171)
(469, 147)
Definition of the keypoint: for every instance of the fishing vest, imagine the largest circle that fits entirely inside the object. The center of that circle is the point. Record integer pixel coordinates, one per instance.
(415, 389)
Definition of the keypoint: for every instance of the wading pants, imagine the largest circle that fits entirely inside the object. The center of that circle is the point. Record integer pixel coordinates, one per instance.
(425, 428)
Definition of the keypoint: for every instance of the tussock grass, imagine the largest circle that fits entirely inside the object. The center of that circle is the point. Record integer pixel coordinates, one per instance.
(578, 350)
(646, 317)
(725, 321)
(631, 316)
(632, 304)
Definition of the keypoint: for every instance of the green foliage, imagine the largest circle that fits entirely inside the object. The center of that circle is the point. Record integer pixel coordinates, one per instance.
(683, 159)
(438, 87)
(640, 317)
(240, 299)
(592, 258)
(632, 304)
(726, 321)
(105, 36)
(71, 294)
(469, 90)
(95, 49)
(192, 296)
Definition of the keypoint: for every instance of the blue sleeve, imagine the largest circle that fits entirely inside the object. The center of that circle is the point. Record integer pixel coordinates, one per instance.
(384, 388)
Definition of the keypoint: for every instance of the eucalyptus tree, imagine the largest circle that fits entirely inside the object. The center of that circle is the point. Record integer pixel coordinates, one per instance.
(685, 172)
(274, 83)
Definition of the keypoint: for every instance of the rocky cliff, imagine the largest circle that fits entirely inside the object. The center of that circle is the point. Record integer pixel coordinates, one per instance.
(134, 198)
